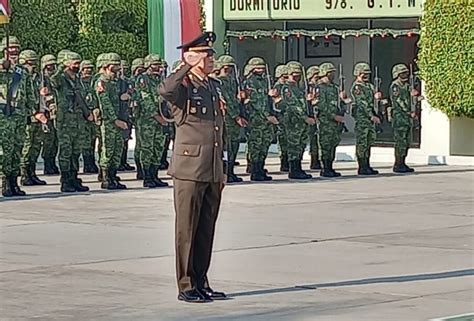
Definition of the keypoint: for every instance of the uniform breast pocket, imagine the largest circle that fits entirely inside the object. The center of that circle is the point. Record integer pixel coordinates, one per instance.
(187, 150)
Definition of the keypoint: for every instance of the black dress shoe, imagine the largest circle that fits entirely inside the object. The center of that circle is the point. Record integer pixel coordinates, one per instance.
(214, 295)
(193, 296)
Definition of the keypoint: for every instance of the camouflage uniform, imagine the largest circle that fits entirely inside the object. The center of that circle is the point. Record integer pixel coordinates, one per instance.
(312, 75)
(329, 129)
(125, 76)
(138, 67)
(260, 129)
(292, 103)
(281, 72)
(50, 143)
(401, 116)
(363, 110)
(107, 90)
(230, 91)
(69, 122)
(150, 130)
(14, 125)
(91, 133)
(34, 129)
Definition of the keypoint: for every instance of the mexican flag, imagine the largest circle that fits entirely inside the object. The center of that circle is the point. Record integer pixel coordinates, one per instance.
(170, 24)
(4, 11)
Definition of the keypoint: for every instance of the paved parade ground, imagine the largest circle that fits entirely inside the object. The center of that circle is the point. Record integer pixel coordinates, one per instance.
(393, 247)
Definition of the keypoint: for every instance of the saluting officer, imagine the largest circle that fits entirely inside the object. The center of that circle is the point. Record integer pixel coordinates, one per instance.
(198, 165)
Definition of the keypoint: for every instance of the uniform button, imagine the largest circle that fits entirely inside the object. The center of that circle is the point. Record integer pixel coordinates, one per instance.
(186, 152)
(215, 113)
(216, 144)
(217, 128)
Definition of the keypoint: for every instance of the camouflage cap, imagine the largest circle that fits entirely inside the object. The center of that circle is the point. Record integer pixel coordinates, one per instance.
(217, 66)
(361, 68)
(326, 68)
(13, 42)
(152, 59)
(70, 57)
(226, 60)
(111, 58)
(137, 63)
(399, 69)
(255, 62)
(86, 64)
(312, 71)
(281, 70)
(47, 60)
(99, 62)
(124, 63)
(294, 67)
(61, 55)
(27, 55)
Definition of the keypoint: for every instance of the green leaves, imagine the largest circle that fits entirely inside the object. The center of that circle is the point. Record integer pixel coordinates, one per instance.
(446, 56)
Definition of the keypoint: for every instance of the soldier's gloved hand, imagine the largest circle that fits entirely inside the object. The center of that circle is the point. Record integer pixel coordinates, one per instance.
(121, 124)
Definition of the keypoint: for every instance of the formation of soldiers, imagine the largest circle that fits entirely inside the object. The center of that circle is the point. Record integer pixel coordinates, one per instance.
(59, 108)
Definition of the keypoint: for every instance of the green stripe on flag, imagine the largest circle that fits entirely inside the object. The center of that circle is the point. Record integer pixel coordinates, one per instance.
(155, 27)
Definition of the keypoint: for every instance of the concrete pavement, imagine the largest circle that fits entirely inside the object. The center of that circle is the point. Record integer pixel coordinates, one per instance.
(393, 247)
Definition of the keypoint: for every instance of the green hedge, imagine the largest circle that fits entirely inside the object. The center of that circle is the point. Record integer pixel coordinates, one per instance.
(446, 56)
(113, 26)
(44, 26)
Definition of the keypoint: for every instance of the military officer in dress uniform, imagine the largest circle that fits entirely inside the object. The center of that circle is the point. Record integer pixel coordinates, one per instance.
(198, 165)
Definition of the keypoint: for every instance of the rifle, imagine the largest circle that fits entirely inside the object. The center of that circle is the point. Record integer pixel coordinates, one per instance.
(309, 106)
(270, 103)
(43, 104)
(242, 112)
(413, 100)
(124, 102)
(342, 110)
(377, 103)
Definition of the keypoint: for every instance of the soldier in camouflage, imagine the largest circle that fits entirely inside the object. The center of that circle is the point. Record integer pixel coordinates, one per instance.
(138, 68)
(34, 128)
(291, 101)
(331, 119)
(281, 76)
(233, 116)
(365, 116)
(401, 116)
(312, 75)
(106, 88)
(50, 143)
(13, 78)
(91, 133)
(261, 120)
(125, 76)
(70, 120)
(151, 122)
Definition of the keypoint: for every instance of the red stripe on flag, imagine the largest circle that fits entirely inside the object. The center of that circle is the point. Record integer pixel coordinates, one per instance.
(5, 5)
(190, 16)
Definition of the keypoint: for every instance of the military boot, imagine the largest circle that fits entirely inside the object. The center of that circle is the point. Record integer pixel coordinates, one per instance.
(405, 166)
(231, 177)
(76, 182)
(326, 170)
(398, 166)
(315, 163)
(336, 174)
(50, 167)
(265, 172)
(117, 179)
(7, 190)
(67, 183)
(374, 171)
(140, 170)
(164, 159)
(300, 169)
(295, 172)
(156, 179)
(26, 179)
(257, 174)
(148, 179)
(363, 169)
(284, 164)
(14, 186)
(89, 165)
(36, 179)
(248, 169)
(94, 167)
(107, 181)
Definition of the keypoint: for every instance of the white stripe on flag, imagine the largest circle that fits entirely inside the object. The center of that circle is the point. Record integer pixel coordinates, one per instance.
(172, 25)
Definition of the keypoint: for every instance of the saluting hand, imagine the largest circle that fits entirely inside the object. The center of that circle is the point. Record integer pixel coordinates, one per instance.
(194, 58)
